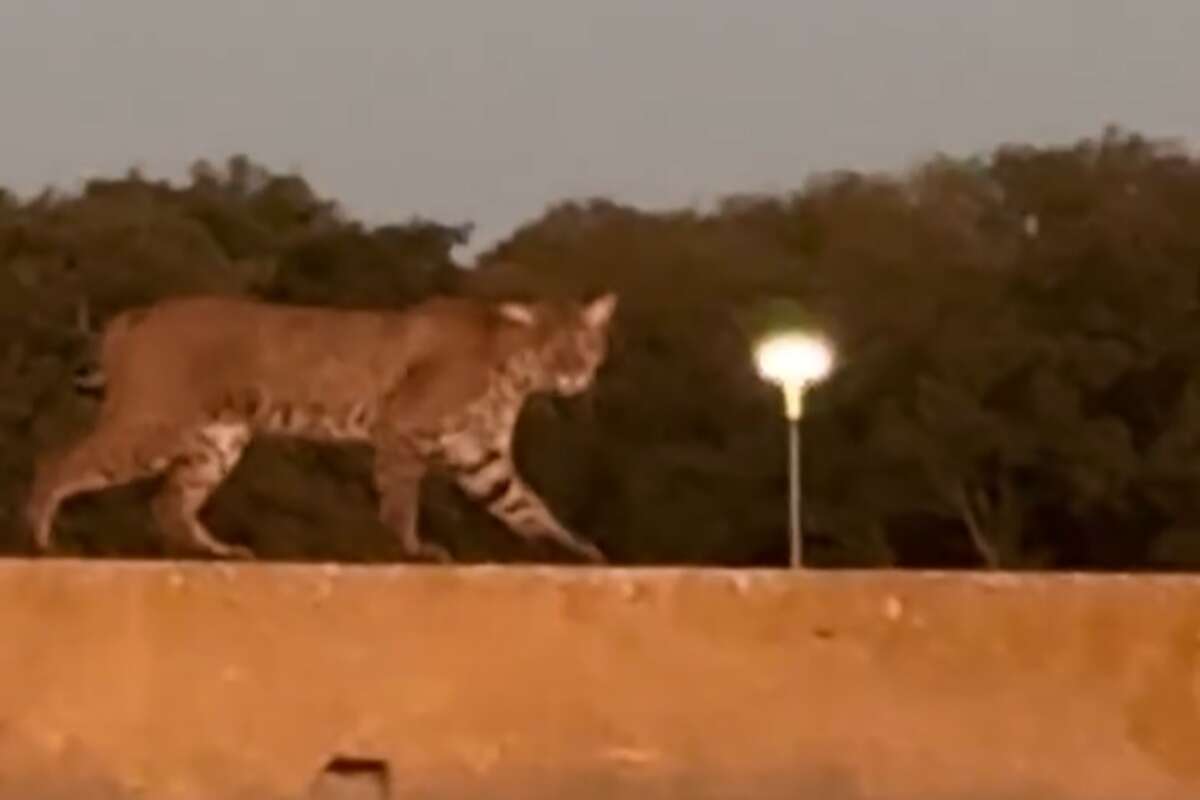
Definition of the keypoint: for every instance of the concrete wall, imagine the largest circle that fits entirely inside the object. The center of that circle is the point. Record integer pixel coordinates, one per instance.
(168, 680)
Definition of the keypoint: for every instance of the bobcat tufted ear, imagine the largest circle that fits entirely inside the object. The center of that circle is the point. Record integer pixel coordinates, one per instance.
(598, 312)
(519, 313)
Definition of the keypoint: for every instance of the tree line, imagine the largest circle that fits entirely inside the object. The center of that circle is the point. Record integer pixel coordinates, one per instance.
(1018, 336)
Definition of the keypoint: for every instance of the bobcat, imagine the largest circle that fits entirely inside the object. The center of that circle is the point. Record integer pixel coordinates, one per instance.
(187, 383)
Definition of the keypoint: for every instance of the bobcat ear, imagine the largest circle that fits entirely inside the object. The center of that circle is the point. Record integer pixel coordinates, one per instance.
(598, 312)
(519, 313)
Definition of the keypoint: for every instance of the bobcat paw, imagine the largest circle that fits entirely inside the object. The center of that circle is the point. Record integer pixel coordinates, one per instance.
(41, 538)
(436, 554)
(227, 552)
(236, 552)
(429, 553)
(589, 552)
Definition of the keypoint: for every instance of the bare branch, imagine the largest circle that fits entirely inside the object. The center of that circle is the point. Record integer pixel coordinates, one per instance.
(970, 517)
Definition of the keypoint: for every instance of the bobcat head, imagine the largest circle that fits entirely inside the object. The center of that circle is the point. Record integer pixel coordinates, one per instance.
(571, 340)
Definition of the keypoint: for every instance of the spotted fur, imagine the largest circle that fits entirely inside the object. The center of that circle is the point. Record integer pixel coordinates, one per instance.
(188, 383)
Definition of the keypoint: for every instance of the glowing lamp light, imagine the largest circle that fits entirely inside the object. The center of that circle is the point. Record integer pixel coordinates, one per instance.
(793, 361)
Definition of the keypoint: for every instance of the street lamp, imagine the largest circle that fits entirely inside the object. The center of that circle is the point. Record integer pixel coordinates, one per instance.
(793, 360)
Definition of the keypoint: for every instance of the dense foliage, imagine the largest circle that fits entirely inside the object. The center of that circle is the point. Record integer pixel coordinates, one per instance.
(1018, 337)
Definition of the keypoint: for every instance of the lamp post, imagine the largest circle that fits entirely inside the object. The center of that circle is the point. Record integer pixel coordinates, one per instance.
(794, 360)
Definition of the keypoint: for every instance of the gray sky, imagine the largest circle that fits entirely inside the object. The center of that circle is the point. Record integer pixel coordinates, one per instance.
(489, 111)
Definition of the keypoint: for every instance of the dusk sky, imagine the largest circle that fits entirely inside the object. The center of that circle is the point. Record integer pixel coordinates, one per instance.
(489, 111)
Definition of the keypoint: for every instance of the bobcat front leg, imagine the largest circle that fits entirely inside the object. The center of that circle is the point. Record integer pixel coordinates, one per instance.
(398, 475)
(203, 460)
(495, 483)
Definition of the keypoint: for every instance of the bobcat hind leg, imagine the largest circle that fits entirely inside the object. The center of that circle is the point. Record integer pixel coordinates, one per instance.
(102, 459)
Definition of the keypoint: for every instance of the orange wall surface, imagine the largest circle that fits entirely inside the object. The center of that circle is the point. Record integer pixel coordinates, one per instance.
(192, 680)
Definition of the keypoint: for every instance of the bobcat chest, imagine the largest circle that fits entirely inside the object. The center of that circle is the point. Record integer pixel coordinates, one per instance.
(482, 429)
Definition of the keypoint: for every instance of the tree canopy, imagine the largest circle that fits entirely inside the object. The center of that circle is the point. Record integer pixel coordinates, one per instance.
(1016, 382)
